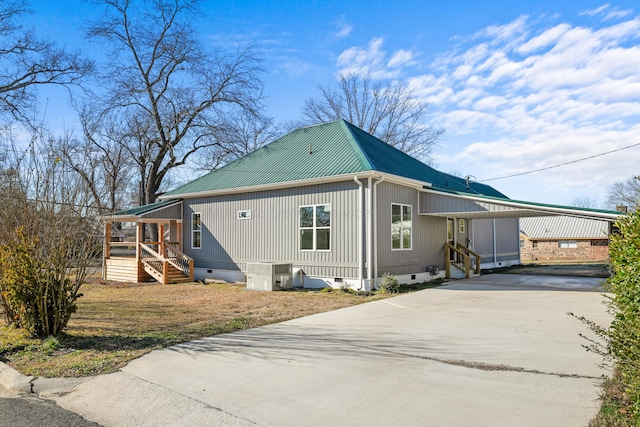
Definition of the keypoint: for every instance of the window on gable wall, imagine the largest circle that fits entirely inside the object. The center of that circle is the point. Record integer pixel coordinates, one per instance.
(401, 227)
(315, 228)
(196, 231)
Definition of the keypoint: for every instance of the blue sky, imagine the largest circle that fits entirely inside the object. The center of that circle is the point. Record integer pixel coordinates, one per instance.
(518, 85)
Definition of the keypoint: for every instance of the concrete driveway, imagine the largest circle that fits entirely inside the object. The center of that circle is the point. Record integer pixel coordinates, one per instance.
(487, 351)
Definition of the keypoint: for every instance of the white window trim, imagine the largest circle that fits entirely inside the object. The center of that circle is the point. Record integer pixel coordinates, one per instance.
(401, 220)
(193, 214)
(461, 226)
(567, 244)
(314, 228)
(244, 217)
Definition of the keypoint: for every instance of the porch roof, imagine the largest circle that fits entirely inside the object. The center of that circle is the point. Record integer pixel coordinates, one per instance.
(472, 206)
(154, 212)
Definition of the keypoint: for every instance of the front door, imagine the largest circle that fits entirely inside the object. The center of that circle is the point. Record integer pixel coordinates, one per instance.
(463, 232)
(451, 235)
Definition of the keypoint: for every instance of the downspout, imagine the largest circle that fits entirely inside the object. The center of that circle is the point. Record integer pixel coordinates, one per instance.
(375, 231)
(360, 224)
(495, 249)
(370, 232)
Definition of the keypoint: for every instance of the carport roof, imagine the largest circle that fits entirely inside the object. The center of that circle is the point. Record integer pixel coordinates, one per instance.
(466, 205)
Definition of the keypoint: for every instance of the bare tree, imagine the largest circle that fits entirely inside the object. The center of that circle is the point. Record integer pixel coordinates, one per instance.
(169, 94)
(389, 112)
(238, 136)
(27, 62)
(625, 193)
(101, 161)
(584, 202)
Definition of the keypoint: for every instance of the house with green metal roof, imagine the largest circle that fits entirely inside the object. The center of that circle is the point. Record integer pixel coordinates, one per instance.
(340, 208)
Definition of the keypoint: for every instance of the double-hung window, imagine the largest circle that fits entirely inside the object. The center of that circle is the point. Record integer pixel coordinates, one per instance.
(196, 231)
(401, 227)
(315, 228)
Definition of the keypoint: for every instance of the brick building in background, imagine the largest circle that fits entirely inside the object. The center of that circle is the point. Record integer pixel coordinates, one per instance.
(564, 239)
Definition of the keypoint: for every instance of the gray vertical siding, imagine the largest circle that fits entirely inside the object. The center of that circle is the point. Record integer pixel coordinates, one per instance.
(507, 239)
(272, 233)
(429, 234)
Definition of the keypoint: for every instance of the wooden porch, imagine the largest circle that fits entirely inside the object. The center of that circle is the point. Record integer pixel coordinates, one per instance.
(142, 260)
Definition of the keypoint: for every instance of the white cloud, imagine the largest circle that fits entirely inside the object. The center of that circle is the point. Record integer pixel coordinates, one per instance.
(373, 60)
(343, 31)
(518, 97)
(292, 66)
(400, 59)
(596, 11)
(608, 12)
(543, 40)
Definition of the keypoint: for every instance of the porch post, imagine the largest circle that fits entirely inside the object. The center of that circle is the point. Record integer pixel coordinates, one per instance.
(139, 239)
(179, 233)
(107, 248)
(107, 240)
(161, 239)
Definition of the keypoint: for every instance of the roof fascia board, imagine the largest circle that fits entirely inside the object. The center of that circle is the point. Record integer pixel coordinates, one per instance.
(530, 207)
(305, 182)
(139, 218)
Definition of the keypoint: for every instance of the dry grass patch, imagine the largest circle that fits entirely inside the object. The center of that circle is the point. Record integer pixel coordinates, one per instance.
(116, 323)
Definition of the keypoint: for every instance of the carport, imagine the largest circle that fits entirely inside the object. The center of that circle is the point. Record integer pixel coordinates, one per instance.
(481, 229)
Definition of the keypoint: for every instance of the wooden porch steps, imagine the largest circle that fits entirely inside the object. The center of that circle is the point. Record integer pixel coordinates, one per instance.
(176, 276)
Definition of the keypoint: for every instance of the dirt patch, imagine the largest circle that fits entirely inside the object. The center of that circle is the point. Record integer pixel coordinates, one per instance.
(576, 270)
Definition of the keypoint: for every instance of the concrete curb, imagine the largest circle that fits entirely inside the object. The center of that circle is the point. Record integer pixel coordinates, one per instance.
(14, 380)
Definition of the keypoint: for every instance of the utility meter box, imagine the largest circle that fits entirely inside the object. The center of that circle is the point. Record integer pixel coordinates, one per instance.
(269, 276)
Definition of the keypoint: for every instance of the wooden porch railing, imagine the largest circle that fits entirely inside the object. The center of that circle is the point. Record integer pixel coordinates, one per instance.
(159, 264)
(461, 259)
(178, 259)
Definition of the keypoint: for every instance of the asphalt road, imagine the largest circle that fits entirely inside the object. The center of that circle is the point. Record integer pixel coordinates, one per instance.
(486, 351)
(19, 410)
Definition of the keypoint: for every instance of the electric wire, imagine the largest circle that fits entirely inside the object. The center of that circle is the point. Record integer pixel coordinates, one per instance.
(559, 165)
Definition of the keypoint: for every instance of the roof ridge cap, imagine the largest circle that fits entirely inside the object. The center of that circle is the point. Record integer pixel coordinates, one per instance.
(360, 152)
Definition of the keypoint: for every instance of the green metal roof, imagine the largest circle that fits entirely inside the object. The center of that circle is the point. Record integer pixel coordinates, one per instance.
(141, 210)
(336, 148)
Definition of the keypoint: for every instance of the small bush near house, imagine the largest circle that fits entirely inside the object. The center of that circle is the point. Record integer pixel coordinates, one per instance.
(389, 284)
(35, 296)
(621, 394)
